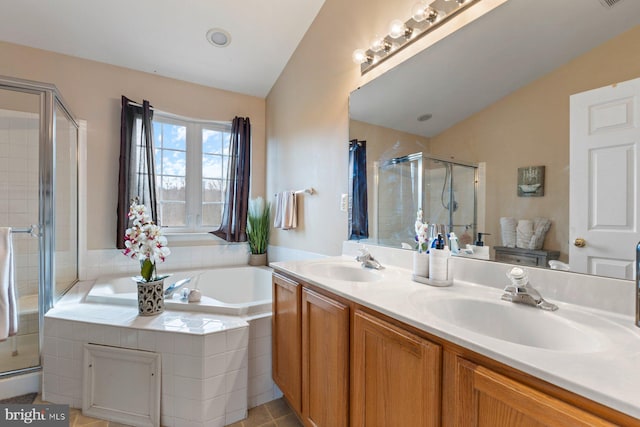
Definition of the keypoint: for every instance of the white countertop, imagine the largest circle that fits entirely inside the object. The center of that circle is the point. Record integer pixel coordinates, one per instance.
(609, 374)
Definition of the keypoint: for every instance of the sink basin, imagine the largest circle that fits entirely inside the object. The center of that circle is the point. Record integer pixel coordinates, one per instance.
(346, 272)
(515, 323)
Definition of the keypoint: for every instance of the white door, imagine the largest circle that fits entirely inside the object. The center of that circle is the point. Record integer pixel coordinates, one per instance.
(604, 200)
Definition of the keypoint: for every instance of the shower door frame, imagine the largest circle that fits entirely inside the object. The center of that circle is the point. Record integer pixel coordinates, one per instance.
(421, 158)
(49, 98)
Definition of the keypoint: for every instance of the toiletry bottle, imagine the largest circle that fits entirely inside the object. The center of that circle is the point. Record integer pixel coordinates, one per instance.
(479, 249)
(438, 260)
(466, 238)
(453, 243)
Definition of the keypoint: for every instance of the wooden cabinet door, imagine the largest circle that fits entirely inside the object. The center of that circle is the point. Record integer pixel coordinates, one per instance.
(396, 376)
(286, 339)
(325, 361)
(493, 400)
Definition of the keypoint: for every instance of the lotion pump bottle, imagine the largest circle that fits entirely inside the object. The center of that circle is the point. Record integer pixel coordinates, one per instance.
(439, 260)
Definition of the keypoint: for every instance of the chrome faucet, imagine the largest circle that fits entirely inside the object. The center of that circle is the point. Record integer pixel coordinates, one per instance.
(638, 285)
(368, 261)
(168, 293)
(520, 291)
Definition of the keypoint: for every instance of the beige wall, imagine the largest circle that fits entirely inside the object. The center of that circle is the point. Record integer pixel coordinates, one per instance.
(308, 113)
(530, 127)
(92, 91)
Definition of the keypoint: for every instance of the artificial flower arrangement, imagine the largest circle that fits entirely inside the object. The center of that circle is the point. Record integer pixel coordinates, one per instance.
(144, 242)
(422, 233)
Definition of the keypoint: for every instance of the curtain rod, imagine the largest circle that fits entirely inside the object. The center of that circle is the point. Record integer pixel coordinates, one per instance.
(176, 116)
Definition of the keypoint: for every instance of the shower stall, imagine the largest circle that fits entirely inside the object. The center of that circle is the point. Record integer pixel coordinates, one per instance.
(446, 191)
(39, 202)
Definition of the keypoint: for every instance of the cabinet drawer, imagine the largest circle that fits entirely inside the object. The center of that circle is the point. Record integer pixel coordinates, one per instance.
(517, 259)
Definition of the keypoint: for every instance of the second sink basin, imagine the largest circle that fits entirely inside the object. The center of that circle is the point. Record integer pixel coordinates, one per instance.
(343, 271)
(515, 323)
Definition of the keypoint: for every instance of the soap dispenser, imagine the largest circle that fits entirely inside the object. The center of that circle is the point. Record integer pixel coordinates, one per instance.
(439, 260)
(479, 249)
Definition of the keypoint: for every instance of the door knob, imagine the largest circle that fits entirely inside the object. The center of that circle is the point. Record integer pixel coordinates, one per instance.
(580, 242)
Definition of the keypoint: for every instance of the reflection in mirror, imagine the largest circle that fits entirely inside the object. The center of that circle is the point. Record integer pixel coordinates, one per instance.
(445, 192)
(498, 94)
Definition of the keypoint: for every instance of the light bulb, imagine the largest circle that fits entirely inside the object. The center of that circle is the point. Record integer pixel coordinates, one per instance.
(377, 44)
(397, 28)
(419, 11)
(359, 56)
(380, 44)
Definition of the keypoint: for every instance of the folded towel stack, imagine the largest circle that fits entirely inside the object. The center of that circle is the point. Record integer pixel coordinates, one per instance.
(540, 228)
(286, 215)
(508, 231)
(524, 232)
(530, 234)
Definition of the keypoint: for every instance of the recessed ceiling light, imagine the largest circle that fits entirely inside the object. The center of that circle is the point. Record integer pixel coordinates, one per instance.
(218, 37)
(424, 117)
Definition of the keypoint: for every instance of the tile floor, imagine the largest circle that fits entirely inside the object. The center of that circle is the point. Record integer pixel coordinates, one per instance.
(272, 414)
(276, 413)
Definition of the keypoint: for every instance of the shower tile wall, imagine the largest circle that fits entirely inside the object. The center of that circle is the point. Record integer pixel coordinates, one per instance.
(19, 166)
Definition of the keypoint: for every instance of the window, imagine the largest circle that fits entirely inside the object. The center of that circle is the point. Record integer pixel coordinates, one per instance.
(191, 161)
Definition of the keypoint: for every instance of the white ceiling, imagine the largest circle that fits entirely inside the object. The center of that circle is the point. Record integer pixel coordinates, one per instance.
(167, 37)
(500, 52)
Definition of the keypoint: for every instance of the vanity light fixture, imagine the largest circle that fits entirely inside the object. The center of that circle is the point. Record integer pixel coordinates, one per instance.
(425, 17)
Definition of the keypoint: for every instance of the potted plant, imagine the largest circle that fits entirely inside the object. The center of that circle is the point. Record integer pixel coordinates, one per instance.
(258, 227)
(144, 242)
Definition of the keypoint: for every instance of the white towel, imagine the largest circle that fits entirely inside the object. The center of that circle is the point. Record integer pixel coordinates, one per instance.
(277, 217)
(524, 232)
(290, 211)
(540, 228)
(286, 216)
(508, 231)
(8, 305)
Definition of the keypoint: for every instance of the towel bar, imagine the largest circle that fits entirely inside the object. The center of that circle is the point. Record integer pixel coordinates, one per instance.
(309, 190)
(32, 229)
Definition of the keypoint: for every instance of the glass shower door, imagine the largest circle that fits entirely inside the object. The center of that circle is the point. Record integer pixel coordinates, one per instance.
(19, 208)
(66, 202)
(400, 184)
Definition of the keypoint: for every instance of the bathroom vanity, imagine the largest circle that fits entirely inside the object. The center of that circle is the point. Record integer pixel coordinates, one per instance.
(344, 354)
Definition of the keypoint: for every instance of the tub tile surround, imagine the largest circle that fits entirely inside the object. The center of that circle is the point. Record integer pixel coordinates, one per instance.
(214, 367)
(102, 262)
(608, 375)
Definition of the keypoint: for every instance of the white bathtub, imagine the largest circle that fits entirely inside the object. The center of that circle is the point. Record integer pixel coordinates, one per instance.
(236, 291)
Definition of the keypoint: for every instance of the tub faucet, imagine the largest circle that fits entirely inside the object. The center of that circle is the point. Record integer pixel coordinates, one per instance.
(520, 291)
(368, 261)
(638, 285)
(168, 293)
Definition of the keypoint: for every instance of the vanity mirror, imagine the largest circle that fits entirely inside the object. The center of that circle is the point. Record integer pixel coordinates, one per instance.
(496, 93)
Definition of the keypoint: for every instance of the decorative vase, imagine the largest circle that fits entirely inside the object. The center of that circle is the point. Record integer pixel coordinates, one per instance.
(420, 264)
(151, 298)
(258, 259)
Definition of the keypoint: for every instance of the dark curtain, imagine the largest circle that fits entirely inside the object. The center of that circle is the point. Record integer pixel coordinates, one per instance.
(234, 219)
(358, 211)
(137, 173)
